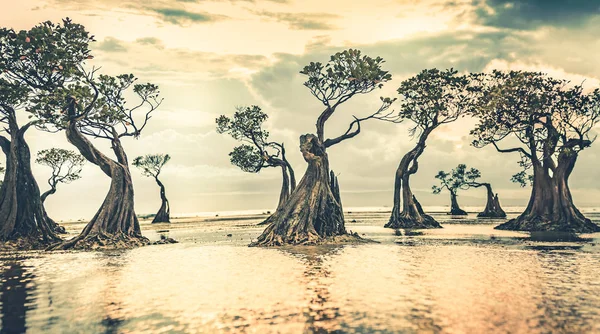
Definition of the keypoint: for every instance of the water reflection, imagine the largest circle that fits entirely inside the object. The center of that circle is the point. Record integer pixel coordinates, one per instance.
(17, 290)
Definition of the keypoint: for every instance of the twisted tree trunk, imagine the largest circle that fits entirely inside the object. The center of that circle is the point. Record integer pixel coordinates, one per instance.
(492, 207)
(115, 225)
(163, 215)
(288, 185)
(22, 216)
(54, 225)
(455, 209)
(407, 212)
(313, 213)
(551, 206)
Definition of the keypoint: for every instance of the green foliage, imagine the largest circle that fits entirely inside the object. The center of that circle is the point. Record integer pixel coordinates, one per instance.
(45, 56)
(256, 152)
(107, 116)
(38, 61)
(66, 165)
(247, 158)
(542, 115)
(151, 164)
(347, 73)
(522, 178)
(435, 97)
(459, 178)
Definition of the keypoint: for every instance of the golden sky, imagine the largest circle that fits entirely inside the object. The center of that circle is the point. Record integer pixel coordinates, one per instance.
(210, 56)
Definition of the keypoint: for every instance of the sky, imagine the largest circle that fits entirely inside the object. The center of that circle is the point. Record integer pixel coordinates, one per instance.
(209, 57)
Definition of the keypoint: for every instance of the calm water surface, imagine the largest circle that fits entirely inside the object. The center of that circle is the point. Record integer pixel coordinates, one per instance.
(465, 278)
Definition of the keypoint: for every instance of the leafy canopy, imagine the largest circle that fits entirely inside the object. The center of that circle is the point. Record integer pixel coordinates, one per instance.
(66, 165)
(151, 164)
(459, 178)
(536, 115)
(257, 151)
(434, 97)
(347, 73)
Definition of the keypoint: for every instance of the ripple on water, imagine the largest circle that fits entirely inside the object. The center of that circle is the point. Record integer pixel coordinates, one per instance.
(456, 280)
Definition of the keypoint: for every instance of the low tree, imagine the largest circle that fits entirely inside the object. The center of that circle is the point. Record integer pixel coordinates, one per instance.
(97, 108)
(548, 123)
(461, 178)
(151, 166)
(429, 100)
(257, 152)
(32, 63)
(66, 167)
(313, 213)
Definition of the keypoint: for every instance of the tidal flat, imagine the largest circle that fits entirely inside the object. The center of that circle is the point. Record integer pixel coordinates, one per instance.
(464, 278)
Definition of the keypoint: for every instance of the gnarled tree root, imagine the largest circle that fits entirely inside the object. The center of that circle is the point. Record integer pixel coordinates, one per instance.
(491, 214)
(21, 244)
(540, 223)
(99, 241)
(425, 222)
(274, 240)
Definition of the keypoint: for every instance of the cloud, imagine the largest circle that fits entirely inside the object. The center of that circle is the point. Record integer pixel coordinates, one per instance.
(531, 14)
(302, 21)
(111, 44)
(181, 16)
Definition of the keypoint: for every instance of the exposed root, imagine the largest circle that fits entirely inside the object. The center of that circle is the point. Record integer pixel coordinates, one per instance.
(99, 241)
(491, 215)
(424, 222)
(164, 241)
(21, 244)
(458, 212)
(311, 240)
(540, 223)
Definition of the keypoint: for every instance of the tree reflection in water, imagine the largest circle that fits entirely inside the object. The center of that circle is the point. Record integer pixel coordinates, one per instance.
(17, 297)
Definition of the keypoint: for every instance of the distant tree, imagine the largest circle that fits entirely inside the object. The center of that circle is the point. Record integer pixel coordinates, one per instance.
(429, 100)
(151, 166)
(461, 178)
(548, 123)
(32, 63)
(313, 212)
(66, 167)
(97, 108)
(257, 152)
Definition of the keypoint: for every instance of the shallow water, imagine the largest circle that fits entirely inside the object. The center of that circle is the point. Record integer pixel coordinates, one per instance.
(465, 278)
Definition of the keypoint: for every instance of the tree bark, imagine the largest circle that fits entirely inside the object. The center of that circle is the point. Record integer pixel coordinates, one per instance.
(115, 225)
(22, 218)
(492, 207)
(455, 209)
(407, 212)
(284, 194)
(312, 214)
(163, 215)
(54, 225)
(551, 206)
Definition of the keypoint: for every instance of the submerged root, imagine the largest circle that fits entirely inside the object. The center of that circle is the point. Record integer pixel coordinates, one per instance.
(29, 243)
(491, 215)
(541, 223)
(101, 241)
(424, 222)
(274, 240)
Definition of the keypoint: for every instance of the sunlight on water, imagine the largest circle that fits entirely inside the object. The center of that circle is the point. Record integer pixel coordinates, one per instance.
(466, 278)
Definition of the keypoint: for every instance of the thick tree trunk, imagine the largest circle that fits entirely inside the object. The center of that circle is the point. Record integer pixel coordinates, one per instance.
(54, 225)
(163, 215)
(407, 212)
(551, 206)
(492, 207)
(22, 218)
(455, 209)
(115, 225)
(312, 214)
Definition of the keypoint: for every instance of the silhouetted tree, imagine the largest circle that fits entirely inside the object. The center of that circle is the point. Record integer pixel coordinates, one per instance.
(96, 108)
(31, 63)
(313, 212)
(548, 123)
(257, 152)
(66, 167)
(459, 178)
(430, 99)
(151, 166)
